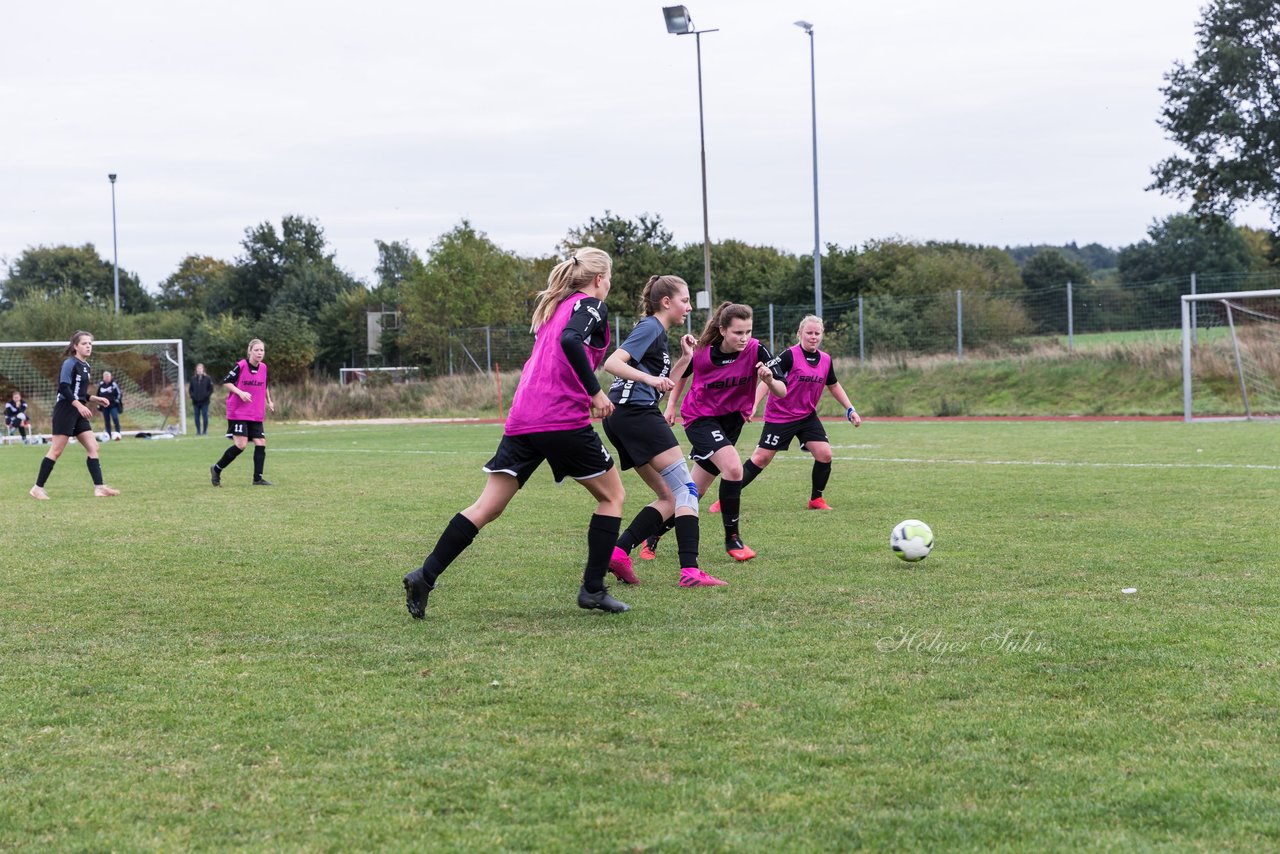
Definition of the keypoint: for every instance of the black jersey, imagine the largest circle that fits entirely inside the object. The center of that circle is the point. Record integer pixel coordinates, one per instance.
(782, 365)
(587, 326)
(73, 380)
(11, 412)
(649, 351)
(233, 375)
(111, 391)
(720, 358)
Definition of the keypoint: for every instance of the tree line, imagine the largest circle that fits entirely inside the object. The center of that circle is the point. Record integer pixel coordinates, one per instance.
(286, 288)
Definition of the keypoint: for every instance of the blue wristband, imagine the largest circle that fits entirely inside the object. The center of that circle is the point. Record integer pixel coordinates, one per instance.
(849, 414)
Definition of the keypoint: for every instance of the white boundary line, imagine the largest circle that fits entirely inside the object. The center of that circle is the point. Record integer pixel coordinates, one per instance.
(800, 459)
(1061, 464)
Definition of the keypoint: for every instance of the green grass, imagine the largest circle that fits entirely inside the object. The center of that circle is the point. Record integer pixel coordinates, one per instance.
(1139, 337)
(200, 669)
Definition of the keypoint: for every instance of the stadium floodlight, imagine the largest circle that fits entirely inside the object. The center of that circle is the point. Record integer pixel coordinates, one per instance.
(817, 242)
(678, 20)
(115, 250)
(679, 23)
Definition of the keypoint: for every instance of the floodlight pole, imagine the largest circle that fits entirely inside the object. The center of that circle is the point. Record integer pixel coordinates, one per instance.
(679, 23)
(817, 241)
(702, 143)
(115, 249)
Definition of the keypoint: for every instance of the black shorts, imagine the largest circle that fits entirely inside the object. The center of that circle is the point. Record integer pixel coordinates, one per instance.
(67, 420)
(578, 454)
(639, 433)
(710, 434)
(777, 437)
(248, 429)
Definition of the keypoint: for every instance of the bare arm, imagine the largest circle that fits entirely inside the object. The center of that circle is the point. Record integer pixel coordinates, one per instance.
(838, 392)
(232, 389)
(765, 374)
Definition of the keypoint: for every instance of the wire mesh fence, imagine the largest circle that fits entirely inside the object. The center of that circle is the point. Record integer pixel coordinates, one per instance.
(946, 322)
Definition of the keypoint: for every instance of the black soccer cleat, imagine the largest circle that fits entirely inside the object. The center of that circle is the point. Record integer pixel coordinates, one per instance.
(215, 476)
(261, 482)
(416, 591)
(601, 601)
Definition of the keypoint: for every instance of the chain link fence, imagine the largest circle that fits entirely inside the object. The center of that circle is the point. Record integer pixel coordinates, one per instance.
(950, 322)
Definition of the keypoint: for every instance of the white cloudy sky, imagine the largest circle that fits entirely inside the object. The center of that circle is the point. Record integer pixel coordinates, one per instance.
(990, 121)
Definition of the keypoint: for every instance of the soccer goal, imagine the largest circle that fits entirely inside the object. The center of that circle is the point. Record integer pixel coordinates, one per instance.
(150, 373)
(384, 376)
(1231, 355)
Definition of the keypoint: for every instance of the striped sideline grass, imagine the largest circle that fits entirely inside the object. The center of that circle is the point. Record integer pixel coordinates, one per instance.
(191, 668)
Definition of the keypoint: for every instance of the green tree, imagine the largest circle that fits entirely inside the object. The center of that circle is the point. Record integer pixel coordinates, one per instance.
(396, 261)
(40, 317)
(1183, 244)
(466, 281)
(297, 256)
(198, 282)
(740, 272)
(1223, 110)
(1045, 276)
(640, 248)
(79, 270)
(1262, 248)
(291, 343)
(220, 342)
(309, 288)
(342, 334)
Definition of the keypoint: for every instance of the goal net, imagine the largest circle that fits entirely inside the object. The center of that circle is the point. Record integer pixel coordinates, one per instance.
(378, 376)
(150, 374)
(1231, 355)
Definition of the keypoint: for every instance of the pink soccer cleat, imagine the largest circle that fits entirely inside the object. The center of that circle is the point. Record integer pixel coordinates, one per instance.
(737, 549)
(620, 565)
(691, 576)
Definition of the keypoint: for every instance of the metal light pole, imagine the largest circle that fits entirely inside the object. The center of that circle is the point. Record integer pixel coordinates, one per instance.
(115, 249)
(679, 23)
(817, 241)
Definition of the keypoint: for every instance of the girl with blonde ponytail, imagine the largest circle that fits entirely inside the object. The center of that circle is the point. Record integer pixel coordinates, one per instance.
(808, 370)
(550, 419)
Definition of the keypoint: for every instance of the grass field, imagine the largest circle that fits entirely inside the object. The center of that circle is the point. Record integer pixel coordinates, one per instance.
(193, 668)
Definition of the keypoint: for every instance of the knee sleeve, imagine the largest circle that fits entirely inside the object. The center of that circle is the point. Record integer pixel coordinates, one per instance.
(681, 484)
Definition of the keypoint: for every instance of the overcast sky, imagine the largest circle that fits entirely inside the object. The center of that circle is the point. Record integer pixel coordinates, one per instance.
(1000, 122)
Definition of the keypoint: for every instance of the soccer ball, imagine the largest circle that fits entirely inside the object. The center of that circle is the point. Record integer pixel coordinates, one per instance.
(104, 437)
(911, 540)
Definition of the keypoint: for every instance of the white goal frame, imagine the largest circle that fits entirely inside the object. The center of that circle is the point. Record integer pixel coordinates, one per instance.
(1189, 302)
(180, 389)
(348, 375)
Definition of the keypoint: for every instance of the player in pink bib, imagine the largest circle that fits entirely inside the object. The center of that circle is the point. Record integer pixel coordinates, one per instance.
(550, 420)
(247, 403)
(727, 366)
(808, 371)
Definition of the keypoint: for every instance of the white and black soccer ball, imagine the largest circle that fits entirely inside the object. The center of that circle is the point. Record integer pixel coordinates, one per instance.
(911, 540)
(104, 437)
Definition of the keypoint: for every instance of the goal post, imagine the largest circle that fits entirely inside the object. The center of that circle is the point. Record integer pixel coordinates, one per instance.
(1231, 356)
(151, 373)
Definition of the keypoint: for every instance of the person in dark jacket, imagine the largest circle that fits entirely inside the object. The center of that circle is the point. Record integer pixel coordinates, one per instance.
(201, 388)
(110, 389)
